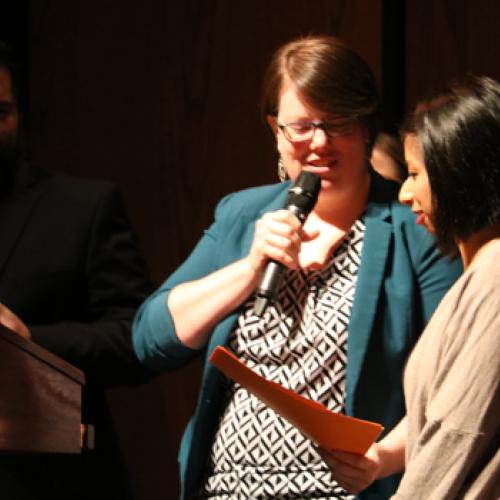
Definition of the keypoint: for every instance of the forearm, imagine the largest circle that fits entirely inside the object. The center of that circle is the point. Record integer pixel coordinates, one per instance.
(391, 450)
(197, 306)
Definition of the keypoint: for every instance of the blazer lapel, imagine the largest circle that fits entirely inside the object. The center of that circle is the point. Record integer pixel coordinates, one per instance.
(378, 231)
(16, 210)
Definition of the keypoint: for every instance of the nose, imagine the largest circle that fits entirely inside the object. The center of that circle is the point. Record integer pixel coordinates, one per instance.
(405, 193)
(319, 138)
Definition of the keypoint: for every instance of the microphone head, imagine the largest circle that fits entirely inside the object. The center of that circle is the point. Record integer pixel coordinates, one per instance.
(304, 192)
(301, 199)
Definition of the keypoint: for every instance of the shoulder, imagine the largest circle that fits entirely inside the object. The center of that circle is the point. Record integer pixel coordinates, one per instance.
(253, 201)
(484, 272)
(69, 193)
(474, 303)
(489, 257)
(80, 187)
(62, 197)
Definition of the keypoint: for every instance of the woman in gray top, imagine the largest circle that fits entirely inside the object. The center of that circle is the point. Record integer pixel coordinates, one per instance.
(450, 437)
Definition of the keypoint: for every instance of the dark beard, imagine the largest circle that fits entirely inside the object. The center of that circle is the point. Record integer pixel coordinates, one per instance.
(9, 164)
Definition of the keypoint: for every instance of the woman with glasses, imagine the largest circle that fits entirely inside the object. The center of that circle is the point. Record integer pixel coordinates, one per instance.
(451, 435)
(361, 282)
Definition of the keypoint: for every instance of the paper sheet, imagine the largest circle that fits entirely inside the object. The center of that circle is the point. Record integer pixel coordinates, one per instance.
(332, 431)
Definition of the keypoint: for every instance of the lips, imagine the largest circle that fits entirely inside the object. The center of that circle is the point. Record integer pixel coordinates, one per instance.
(420, 219)
(322, 166)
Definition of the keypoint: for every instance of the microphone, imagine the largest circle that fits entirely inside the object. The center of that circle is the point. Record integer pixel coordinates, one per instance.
(301, 199)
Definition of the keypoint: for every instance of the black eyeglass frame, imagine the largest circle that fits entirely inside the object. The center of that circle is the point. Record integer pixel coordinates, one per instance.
(342, 129)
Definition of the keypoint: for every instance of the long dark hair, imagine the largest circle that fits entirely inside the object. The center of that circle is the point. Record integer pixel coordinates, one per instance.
(459, 133)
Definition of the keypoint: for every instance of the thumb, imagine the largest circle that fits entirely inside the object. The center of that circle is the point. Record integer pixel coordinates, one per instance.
(308, 235)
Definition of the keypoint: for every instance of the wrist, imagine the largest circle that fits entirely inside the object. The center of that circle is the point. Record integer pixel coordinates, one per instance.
(252, 267)
(390, 460)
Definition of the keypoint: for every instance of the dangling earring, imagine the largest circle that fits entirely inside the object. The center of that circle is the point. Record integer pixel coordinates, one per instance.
(282, 175)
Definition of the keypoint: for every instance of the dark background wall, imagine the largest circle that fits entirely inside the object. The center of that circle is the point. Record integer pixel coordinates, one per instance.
(161, 97)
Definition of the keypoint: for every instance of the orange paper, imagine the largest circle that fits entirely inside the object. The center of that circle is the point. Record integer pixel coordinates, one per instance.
(332, 431)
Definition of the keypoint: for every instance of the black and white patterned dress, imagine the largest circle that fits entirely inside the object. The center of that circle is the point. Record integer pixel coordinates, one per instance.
(301, 343)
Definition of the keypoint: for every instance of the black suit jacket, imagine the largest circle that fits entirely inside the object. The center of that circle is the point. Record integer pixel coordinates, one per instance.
(71, 270)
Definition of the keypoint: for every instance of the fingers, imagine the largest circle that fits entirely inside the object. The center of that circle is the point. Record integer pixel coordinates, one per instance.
(277, 237)
(349, 459)
(353, 472)
(284, 219)
(11, 321)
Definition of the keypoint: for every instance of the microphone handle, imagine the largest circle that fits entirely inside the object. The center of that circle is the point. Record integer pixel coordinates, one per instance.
(273, 274)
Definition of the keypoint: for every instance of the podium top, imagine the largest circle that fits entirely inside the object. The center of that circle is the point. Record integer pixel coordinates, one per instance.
(42, 354)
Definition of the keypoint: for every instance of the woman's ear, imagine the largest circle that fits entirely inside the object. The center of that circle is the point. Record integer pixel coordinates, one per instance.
(271, 120)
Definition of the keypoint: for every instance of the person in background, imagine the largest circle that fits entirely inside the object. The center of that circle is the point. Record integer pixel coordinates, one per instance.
(449, 441)
(362, 280)
(388, 158)
(71, 279)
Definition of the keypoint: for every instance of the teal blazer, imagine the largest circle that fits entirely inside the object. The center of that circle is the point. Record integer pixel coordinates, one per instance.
(400, 281)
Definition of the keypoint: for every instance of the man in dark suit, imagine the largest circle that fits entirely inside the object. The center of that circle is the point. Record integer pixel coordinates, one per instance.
(71, 278)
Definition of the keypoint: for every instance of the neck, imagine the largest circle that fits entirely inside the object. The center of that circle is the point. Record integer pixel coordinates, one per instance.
(471, 247)
(342, 205)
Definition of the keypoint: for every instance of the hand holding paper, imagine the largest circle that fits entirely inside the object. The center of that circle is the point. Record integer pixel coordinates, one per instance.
(332, 431)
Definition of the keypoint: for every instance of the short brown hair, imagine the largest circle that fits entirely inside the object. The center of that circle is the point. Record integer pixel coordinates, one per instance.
(330, 75)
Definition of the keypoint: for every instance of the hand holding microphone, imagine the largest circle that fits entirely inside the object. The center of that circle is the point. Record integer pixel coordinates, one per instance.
(300, 201)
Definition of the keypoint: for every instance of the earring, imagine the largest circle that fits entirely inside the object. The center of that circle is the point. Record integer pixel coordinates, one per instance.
(282, 175)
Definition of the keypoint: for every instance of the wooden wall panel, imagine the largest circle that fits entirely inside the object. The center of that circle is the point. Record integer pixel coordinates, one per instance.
(165, 95)
(162, 98)
(448, 38)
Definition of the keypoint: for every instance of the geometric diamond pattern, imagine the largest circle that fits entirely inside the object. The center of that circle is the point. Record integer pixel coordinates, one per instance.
(300, 343)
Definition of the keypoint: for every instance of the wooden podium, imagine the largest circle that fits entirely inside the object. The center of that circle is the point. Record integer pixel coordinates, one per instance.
(40, 399)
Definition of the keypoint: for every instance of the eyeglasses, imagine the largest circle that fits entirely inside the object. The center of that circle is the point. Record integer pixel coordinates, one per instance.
(304, 131)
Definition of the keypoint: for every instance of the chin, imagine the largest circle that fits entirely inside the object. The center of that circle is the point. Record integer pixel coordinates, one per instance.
(430, 227)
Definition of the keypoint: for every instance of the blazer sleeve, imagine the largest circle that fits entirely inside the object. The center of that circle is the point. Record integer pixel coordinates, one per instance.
(117, 282)
(155, 340)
